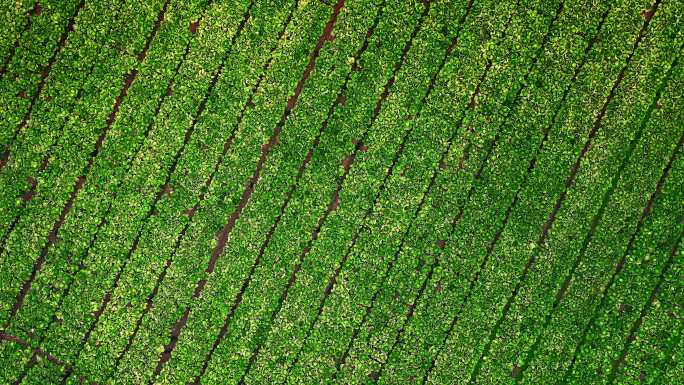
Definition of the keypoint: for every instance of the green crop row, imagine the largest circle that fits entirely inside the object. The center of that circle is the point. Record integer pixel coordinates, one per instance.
(187, 80)
(14, 359)
(624, 203)
(374, 142)
(655, 354)
(631, 285)
(472, 103)
(48, 292)
(39, 229)
(52, 110)
(509, 354)
(390, 202)
(516, 255)
(44, 150)
(111, 115)
(196, 347)
(44, 370)
(418, 262)
(30, 63)
(42, 217)
(590, 271)
(233, 174)
(349, 143)
(492, 183)
(363, 192)
(63, 260)
(142, 276)
(16, 20)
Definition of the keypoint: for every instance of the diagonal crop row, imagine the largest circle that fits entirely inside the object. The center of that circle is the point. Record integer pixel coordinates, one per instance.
(362, 142)
(28, 153)
(297, 302)
(552, 216)
(49, 109)
(31, 192)
(473, 191)
(474, 100)
(616, 200)
(653, 354)
(191, 212)
(222, 235)
(472, 348)
(66, 291)
(20, 116)
(582, 292)
(505, 147)
(617, 288)
(346, 163)
(20, 21)
(462, 163)
(32, 312)
(359, 145)
(300, 172)
(162, 190)
(173, 163)
(391, 187)
(419, 242)
(27, 196)
(43, 208)
(168, 93)
(80, 181)
(37, 145)
(178, 282)
(146, 333)
(338, 139)
(620, 359)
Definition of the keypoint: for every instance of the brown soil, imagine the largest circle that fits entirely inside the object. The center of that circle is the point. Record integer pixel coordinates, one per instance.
(193, 26)
(28, 195)
(515, 371)
(223, 234)
(37, 10)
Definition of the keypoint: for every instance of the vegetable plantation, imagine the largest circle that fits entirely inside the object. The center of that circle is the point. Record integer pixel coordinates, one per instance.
(341, 192)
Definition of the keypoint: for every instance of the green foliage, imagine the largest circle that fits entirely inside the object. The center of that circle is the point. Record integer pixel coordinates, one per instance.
(435, 192)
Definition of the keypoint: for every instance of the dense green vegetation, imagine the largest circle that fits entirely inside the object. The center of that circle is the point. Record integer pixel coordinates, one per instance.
(352, 192)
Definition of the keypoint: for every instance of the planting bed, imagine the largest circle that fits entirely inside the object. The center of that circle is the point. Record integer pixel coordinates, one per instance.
(341, 192)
